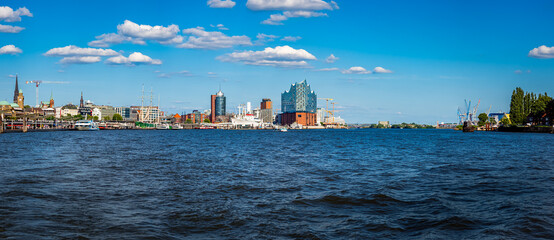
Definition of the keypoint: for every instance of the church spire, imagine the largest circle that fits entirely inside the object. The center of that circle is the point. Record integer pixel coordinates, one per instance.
(16, 91)
(82, 105)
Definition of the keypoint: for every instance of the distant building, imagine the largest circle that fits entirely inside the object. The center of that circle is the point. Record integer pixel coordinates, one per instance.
(212, 108)
(195, 117)
(125, 112)
(220, 105)
(20, 99)
(266, 111)
(176, 118)
(299, 105)
(384, 123)
(84, 110)
(150, 114)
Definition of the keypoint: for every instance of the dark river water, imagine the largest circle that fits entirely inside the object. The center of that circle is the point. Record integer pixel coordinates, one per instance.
(334, 184)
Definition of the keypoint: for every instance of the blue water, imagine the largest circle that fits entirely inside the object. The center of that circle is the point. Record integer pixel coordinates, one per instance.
(321, 184)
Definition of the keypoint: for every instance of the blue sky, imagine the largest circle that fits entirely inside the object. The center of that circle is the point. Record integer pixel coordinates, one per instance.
(432, 54)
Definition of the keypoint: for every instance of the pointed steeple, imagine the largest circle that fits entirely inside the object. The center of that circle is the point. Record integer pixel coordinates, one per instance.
(82, 105)
(16, 91)
(51, 94)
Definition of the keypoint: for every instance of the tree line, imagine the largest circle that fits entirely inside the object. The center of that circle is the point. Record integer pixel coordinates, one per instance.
(527, 107)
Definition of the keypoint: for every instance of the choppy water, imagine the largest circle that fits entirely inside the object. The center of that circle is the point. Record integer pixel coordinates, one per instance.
(338, 184)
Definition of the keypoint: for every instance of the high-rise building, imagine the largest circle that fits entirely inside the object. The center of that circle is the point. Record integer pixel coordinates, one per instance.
(16, 91)
(266, 104)
(299, 104)
(266, 111)
(212, 108)
(220, 106)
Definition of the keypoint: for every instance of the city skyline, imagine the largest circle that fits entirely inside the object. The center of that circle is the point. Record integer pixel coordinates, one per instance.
(395, 61)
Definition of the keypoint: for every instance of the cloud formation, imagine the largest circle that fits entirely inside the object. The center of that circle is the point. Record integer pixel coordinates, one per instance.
(291, 38)
(264, 38)
(327, 69)
(356, 70)
(277, 19)
(9, 15)
(331, 59)
(381, 70)
(72, 50)
(221, 3)
(10, 49)
(542, 52)
(80, 60)
(138, 34)
(202, 39)
(291, 8)
(280, 56)
(135, 58)
(261, 5)
(10, 29)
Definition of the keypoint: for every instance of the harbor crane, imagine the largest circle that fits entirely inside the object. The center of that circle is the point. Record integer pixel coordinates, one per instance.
(469, 113)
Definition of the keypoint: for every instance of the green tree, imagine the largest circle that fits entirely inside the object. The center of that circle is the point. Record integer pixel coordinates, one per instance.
(188, 121)
(207, 120)
(505, 121)
(117, 117)
(95, 118)
(549, 110)
(482, 119)
(107, 118)
(517, 106)
(26, 106)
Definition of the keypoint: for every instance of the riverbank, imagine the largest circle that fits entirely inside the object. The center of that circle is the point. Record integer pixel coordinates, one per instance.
(528, 129)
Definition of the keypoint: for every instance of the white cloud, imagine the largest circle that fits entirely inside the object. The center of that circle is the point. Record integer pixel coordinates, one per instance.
(221, 27)
(356, 70)
(137, 34)
(105, 40)
(331, 59)
(180, 73)
(260, 5)
(276, 19)
(72, 50)
(221, 3)
(328, 69)
(280, 56)
(135, 58)
(10, 49)
(80, 60)
(10, 29)
(157, 33)
(9, 15)
(263, 38)
(542, 52)
(381, 70)
(202, 39)
(291, 38)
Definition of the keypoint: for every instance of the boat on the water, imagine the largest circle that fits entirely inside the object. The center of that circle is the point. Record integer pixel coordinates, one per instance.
(283, 129)
(163, 126)
(468, 127)
(86, 125)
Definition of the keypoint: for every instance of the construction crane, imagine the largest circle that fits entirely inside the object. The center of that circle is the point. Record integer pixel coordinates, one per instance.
(37, 83)
(333, 112)
(326, 107)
